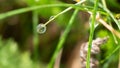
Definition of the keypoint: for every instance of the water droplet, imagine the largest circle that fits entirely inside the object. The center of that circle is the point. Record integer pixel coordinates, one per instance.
(41, 28)
(51, 17)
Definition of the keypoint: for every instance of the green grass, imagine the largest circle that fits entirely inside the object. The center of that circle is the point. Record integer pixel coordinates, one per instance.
(109, 12)
(10, 56)
(92, 23)
(62, 39)
(23, 10)
(35, 34)
(94, 9)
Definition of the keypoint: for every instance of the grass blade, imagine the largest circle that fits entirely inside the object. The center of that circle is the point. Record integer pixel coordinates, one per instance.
(62, 39)
(91, 33)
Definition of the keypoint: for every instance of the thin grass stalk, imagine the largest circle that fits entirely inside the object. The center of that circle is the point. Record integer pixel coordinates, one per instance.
(69, 8)
(109, 12)
(62, 39)
(119, 54)
(23, 10)
(114, 37)
(116, 49)
(91, 32)
(35, 35)
(118, 24)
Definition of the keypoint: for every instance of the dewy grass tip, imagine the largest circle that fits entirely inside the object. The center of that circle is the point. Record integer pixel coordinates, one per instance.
(41, 28)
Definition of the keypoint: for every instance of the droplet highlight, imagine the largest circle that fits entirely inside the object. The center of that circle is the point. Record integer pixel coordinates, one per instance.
(41, 28)
(51, 17)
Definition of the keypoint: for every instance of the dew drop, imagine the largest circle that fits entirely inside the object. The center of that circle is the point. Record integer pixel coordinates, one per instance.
(41, 28)
(51, 17)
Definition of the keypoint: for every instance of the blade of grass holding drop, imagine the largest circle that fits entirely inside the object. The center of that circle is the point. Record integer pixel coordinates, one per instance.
(62, 39)
(91, 32)
(67, 9)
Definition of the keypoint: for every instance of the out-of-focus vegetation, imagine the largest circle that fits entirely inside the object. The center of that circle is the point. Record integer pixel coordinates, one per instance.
(10, 56)
(22, 47)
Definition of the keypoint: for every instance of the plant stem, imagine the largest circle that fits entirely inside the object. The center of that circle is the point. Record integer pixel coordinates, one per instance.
(114, 37)
(62, 39)
(109, 27)
(91, 33)
(112, 16)
(35, 35)
(69, 8)
(116, 49)
(23, 10)
(118, 24)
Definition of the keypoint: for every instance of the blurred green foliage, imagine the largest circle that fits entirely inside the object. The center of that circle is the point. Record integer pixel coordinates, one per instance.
(20, 28)
(11, 57)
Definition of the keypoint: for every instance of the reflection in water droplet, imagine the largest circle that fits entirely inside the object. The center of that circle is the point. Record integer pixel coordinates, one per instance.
(41, 28)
